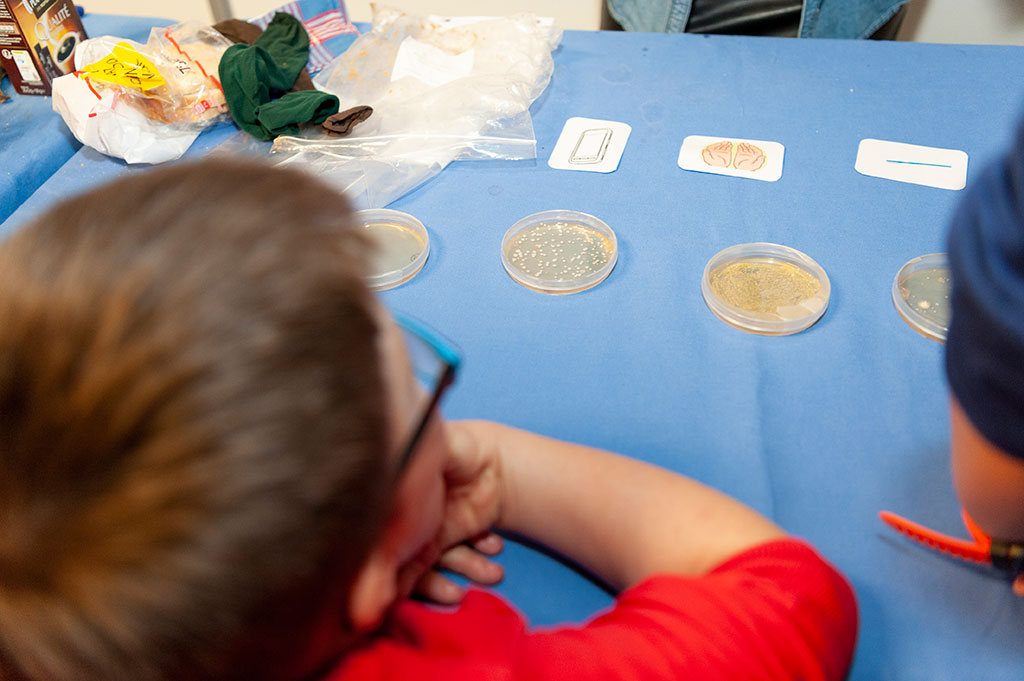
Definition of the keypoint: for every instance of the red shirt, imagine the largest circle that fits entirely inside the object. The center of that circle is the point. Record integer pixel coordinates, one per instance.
(776, 611)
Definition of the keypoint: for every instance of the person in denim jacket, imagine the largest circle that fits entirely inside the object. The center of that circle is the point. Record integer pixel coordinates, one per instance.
(878, 19)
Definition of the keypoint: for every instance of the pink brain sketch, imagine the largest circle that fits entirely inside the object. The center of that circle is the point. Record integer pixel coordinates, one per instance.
(718, 154)
(749, 157)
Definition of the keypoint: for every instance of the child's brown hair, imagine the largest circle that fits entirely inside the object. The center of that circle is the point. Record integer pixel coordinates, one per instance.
(193, 427)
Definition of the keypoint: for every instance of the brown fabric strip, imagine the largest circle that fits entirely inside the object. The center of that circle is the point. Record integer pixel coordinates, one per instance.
(341, 123)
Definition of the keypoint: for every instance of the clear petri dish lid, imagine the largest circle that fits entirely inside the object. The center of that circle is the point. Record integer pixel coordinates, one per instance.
(402, 246)
(920, 292)
(765, 288)
(559, 251)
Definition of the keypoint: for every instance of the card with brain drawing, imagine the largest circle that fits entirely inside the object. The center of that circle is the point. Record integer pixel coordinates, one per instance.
(754, 159)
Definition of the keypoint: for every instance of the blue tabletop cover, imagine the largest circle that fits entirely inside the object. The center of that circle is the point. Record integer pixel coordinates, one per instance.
(818, 430)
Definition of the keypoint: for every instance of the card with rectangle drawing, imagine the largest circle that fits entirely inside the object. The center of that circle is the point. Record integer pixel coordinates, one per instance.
(590, 145)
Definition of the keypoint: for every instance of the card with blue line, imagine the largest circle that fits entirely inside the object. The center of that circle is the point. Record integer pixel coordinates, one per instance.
(929, 166)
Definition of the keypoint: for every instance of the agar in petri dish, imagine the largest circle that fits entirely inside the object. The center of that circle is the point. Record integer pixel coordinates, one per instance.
(402, 246)
(920, 292)
(765, 288)
(398, 246)
(559, 251)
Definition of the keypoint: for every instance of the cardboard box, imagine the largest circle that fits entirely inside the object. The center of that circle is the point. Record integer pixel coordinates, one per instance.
(37, 42)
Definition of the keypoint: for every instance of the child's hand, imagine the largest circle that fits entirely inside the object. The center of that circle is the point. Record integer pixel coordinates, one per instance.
(473, 506)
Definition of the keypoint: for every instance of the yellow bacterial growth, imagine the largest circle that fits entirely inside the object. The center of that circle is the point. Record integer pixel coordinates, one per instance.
(763, 286)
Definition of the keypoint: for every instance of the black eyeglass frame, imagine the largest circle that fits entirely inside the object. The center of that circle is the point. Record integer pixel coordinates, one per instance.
(449, 358)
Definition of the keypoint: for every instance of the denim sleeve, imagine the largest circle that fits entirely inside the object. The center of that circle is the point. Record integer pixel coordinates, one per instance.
(820, 19)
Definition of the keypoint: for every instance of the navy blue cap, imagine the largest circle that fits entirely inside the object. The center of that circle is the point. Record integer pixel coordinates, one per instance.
(985, 344)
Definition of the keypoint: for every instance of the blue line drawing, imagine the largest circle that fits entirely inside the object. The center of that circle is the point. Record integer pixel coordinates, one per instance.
(918, 163)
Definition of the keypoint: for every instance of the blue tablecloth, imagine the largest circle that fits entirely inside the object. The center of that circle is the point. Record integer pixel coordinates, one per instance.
(819, 430)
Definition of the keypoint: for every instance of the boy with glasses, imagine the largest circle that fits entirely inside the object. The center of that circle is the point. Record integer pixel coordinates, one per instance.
(222, 459)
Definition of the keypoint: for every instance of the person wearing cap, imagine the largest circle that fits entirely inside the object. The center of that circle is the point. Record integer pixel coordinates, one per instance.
(985, 350)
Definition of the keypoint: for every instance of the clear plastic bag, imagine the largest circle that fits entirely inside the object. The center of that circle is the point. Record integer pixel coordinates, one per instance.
(442, 89)
(184, 90)
(144, 103)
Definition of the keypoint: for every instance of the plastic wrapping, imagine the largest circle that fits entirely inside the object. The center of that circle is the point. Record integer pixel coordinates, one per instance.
(144, 103)
(442, 89)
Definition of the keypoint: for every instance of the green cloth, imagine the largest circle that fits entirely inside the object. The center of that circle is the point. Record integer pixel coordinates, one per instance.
(282, 116)
(255, 76)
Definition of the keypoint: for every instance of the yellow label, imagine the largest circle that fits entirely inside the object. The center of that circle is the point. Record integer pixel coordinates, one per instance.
(126, 66)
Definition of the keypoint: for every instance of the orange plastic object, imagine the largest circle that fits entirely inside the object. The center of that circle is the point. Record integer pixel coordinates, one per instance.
(976, 551)
(976, 532)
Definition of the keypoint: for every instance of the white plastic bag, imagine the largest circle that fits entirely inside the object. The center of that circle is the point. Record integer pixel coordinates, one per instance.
(96, 120)
(442, 89)
(144, 103)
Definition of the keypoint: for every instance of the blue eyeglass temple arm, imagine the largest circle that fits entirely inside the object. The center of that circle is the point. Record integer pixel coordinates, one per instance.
(437, 344)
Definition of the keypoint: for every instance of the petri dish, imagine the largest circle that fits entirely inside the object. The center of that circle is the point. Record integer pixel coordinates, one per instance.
(765, 288)
(920, 292)
(559, 251)
(402, 246)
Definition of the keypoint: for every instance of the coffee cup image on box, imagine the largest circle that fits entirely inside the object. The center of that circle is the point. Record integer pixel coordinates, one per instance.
(55, 47)
(66, 50)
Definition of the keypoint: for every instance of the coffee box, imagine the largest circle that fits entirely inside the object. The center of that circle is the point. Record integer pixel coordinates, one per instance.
(37, 42)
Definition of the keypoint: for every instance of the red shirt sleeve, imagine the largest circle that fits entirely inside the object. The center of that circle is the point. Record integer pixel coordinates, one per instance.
(777, 611)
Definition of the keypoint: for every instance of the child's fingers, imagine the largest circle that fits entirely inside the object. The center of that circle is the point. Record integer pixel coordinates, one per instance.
(488, 543)
(436, 587)
(1018, 585)
(462, 560)
(471, 564)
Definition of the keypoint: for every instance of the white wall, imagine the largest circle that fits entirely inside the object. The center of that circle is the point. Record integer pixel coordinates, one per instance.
(578, 14)
(581, 14)
(180, 10)
(998, 22)
(943, 21)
